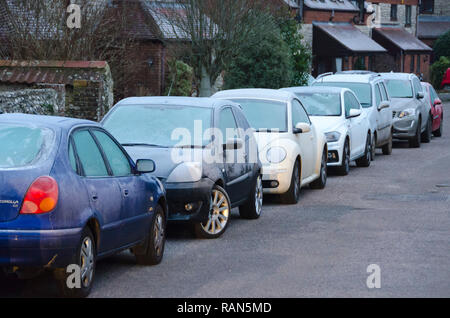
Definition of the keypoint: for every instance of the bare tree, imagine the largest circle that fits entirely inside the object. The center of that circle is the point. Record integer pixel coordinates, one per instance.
(212, 30)
(37, 30)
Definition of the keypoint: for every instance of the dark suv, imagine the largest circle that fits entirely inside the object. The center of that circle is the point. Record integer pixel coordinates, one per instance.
(205, 154)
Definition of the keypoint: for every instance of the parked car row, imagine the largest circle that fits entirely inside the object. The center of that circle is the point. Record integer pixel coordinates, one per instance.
(75, 191)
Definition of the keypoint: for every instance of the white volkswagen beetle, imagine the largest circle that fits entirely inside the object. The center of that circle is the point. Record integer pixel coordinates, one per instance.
(338, 113)
(292, 150)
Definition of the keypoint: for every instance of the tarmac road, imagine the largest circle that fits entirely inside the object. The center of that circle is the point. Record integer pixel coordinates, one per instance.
(395, 214)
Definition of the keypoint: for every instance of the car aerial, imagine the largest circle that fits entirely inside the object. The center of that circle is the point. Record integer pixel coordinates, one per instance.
(205, 153)
(437, 111)
(292, 150)
(337, 112)
(411, 112)
(370, 89)
(71, 195)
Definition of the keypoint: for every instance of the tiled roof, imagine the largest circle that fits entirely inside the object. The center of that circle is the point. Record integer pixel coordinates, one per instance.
(402, 39)
(350, 37)
(48, 72)
(336, 5)
(432, 27)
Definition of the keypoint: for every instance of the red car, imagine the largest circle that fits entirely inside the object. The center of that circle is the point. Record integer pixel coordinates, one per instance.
(437, 110)
(446, 81)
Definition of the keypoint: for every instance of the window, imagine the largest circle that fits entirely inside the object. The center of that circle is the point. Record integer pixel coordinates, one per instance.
(90, 156)
(73, 160)
(265, 114)
(427, 6)
(383, 92)
(299, 114)
(418, 65)
(378, 97)
(350, 102)
(417, 85)
(227, 124)
(399, 88)
(117, 160)
(362, 90)
(23, 145)
(321, 104)
(393, 12)
(408, 15)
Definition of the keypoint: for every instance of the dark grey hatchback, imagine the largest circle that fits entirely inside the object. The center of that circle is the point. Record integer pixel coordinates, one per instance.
(205, 152)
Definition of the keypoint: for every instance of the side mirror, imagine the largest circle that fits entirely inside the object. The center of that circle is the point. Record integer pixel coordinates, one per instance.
(354, 113)
(145, 166)
(233, 143)
(302, 128)
(383, 105)
(437, 101)
(420, 95)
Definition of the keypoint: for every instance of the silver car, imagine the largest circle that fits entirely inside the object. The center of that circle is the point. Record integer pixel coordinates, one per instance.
(411, 112)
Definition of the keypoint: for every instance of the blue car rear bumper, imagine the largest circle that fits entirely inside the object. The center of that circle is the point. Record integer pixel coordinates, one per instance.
(49, 248)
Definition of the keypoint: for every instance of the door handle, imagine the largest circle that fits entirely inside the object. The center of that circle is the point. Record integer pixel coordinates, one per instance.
(126, 192)
(94, 197)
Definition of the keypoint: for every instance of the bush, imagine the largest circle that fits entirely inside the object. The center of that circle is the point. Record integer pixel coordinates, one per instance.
(301, 54)
(180, 78)
(442, 46)
(438, 70)
(266, 65)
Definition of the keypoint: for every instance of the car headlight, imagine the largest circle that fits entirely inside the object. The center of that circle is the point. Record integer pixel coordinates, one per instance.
(276, 154)
(407, 112)
(186, 172)
(333, 136)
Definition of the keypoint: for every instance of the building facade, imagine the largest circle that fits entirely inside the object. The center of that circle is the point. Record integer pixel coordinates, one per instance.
(433, 20)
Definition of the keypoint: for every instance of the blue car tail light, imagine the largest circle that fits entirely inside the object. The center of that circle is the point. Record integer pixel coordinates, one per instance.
(41, 197)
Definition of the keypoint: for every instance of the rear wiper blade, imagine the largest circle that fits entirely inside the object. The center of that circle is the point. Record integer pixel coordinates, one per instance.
(143, 145)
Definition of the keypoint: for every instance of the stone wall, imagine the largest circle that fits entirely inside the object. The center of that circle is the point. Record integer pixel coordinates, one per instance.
(30, 101)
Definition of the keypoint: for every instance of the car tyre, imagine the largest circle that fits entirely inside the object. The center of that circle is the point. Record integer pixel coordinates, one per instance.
(438, 133)
(252, 209)
(219, 215)
(426, 135)
(364, 161)
(321, 182)
(373, 147)
(344, 168)
(387, 148)
(292, 196)
(86, 259)
(152, 251)
(415, 141)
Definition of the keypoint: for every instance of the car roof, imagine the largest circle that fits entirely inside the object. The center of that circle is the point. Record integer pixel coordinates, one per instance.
(260, 93)
(349, 77)
(400, 76)
(45, 121)
(315, 89)
(206, 102)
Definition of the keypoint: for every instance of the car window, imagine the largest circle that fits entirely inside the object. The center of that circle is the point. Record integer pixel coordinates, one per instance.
(350, 103)
(299, 114)
(73, 160)
(433, 94)
(321, 104)
(227, 124)
(362, 90)
(399, 88)
(23, 145)
(417, 86)
(378, 97)
(384, 94)
(117, 160)
(90, 156)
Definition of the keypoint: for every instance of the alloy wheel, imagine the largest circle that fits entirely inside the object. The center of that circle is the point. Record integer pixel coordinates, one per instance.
(218, 215)
(158, 230)
(87, 261)
(259, 195)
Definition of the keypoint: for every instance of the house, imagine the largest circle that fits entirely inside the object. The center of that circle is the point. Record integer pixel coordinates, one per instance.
(433, 20)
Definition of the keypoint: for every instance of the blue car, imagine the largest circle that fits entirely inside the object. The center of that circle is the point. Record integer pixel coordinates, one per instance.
(70, 195)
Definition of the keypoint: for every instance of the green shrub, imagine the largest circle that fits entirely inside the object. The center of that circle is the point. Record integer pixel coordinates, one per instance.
(180, 78)
(438, 70)
(265, 65)
(301, 54)
(442, 46)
